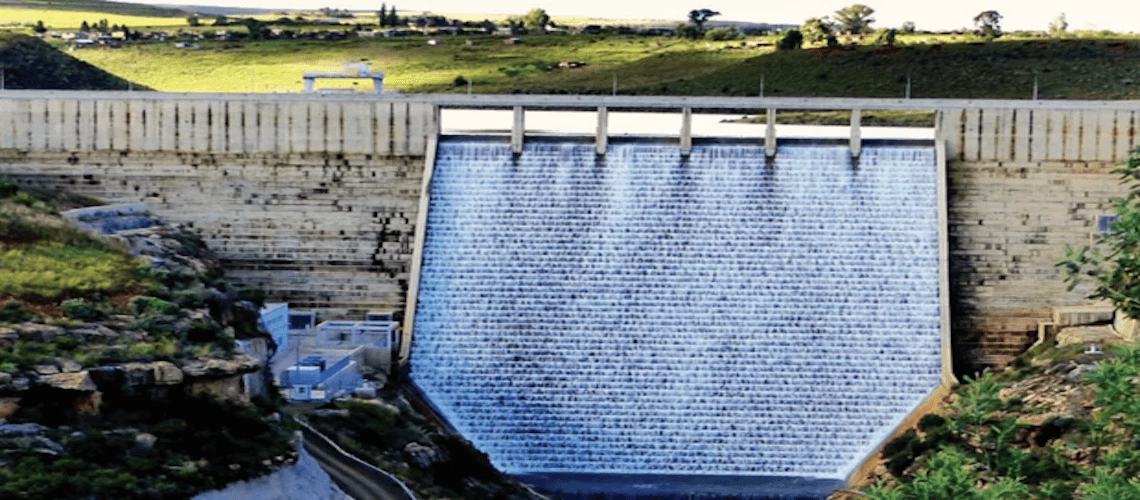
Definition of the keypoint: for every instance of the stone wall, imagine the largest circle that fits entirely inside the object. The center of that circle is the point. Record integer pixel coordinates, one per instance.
(331, 232)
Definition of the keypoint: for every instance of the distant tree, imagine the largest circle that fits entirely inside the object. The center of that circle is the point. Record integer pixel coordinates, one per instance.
(855, 19)
(1059, 26)
(193, 20)
(221, 21)
(886, 37)
(536, 20)
(790, 40)
(688, 30)
(393, 18)
(257, 29)
(817, 29)
(104, 27)
(700, 16)
(39, 27)
(988, 24)
(84, 28)
(907, 27)
(383, 15)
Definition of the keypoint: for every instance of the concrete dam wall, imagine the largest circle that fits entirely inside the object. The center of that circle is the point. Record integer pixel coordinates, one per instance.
(315, 198)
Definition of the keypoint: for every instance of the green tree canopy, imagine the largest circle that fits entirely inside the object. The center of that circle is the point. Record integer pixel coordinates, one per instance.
(855, 19)
(1059, 26)
(536, 20)
(700, 16)
(988, 24)
(817, 29)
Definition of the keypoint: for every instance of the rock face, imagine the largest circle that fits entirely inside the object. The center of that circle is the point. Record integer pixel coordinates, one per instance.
(305, 479)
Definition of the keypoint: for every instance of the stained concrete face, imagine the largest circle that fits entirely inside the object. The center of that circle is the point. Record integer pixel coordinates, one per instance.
(272, 181)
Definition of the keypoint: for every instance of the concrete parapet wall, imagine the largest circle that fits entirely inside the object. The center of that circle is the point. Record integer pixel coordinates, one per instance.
(92, 121)
(332, 233)
(1031, 134)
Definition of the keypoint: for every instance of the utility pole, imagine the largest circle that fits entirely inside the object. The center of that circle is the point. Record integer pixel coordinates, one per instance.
(761, 84)
(615, 83)
(470, 85)
(1034, 87)
(908, 86)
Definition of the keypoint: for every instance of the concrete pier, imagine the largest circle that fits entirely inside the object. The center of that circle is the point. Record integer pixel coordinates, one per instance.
(856, 132)
(603, 132)
(770, 134)
(518, 130)
(686, 131)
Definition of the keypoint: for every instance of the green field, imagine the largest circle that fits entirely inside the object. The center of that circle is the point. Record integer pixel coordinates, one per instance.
(938, 66)
(414, 66)
(69, 14)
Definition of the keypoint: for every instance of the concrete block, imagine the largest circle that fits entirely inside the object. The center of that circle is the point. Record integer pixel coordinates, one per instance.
(8, 116)
(1055, 133)
(55, 121)
(103, 126)
(1106, 136)
(267, 127)
(971, 138)
(1021, 134)
(37, 124)
(1072, 135)
(951, 129)
(1090, 123)
(382, 120)
(167, 126)
(1125, 134)
(317, 126)
(1003, 127)
(184, 137)
(298, 127)
(334, 127)
(1039, 135)
(250, 133)
(120, 126)
(419, 120)
(217, 118)
(400, 129)
(138, 126)
(200, 126)
(235, 128)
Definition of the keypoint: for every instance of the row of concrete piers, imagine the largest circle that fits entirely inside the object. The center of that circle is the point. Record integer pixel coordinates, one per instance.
(518, 129)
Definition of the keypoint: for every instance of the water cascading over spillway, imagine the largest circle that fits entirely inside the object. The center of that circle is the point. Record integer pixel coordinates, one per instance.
(641, 315)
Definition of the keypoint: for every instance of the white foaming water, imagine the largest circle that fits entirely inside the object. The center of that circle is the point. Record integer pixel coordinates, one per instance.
(644, 314)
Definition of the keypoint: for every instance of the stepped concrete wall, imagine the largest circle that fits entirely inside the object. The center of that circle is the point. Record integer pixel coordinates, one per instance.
(315, 198)
(1023, 182)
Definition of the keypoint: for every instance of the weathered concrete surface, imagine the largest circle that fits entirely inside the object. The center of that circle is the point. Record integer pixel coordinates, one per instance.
(326, 232)
(1009, 223)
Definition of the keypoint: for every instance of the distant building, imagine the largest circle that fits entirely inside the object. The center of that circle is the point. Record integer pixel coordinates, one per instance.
(275, 320)
(315, 379)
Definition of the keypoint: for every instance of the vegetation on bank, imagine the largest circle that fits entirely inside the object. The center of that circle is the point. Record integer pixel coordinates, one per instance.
(78, 306)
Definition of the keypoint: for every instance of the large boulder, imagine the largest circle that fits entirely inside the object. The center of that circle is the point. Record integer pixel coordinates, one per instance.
(212, 368)
(155, 373)
(36, 332)
(78, 381)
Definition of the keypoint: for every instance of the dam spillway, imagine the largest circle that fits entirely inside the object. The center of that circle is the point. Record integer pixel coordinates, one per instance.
(641, 314)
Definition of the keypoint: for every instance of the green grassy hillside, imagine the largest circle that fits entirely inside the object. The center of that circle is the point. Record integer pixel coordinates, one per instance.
(30, 63)
(940, 67)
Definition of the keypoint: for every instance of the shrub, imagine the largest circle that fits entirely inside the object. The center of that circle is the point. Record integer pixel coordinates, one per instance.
(721, 34)
(8, 189)
(54, 270)
(202, 332)
(153, 306)
(931, 421)
(459, 81)
(14, 312)
(80, 309)
(790, 40)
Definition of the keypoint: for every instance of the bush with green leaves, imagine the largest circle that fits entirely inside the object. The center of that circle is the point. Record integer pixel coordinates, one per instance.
(153, 306)
(792, 39)
(80, 309)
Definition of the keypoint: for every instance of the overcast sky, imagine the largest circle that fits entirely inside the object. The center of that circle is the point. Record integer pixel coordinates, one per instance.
(1117, 15)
